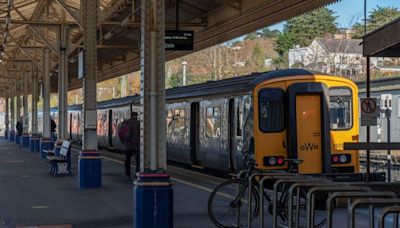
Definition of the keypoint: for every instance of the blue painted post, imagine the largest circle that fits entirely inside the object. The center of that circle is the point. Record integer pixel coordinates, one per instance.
(153, 201)
(45, 144)
(12, 136)
(34, 143)
(25, 140)
(89, 169)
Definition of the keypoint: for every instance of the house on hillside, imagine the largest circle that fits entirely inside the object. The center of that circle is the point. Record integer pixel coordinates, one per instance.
(331, 56)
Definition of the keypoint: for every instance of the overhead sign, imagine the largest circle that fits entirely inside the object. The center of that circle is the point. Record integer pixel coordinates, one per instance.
(177, 40)
(369, 111)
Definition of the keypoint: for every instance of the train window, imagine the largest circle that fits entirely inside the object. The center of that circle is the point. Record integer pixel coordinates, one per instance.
(271, 110)
(177, 122)
(213, 122)
(340, 106)
(169, 122)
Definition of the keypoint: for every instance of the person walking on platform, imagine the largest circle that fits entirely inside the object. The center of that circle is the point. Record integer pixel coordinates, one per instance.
(53, 127)
(19, 127)
(129, 134)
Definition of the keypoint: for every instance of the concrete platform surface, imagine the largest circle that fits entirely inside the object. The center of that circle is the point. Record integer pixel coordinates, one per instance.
(29, 196)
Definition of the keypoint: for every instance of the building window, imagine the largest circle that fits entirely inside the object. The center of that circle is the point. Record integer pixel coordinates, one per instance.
(271, 109)
(213, 122)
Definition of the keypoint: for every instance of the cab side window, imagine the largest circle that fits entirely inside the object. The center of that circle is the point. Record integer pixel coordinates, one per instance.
(271, 110)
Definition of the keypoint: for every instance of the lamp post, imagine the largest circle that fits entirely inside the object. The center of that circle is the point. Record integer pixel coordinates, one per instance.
(184, 63)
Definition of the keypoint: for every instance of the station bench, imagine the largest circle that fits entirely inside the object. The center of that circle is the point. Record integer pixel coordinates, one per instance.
(60, 164)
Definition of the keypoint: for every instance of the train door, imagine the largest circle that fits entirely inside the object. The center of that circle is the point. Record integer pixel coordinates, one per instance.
(110, 132)
(231, 133)
(309, 130)
(194, 133)
(308, 118)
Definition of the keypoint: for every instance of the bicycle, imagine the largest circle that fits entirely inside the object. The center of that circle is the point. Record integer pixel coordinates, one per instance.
(228, 206)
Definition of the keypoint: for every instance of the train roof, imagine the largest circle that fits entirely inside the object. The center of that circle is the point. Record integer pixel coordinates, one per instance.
(118, 102)
(233, 85)
(225, 86)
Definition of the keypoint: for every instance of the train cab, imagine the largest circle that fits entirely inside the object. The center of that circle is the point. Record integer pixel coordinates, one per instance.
(305, 117)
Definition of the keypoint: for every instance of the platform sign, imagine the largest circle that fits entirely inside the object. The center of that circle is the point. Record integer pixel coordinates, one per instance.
(177, 40)
(81, 64)
(369, 111)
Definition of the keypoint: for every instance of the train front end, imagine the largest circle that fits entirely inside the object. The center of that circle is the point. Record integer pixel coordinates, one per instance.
(301, 121)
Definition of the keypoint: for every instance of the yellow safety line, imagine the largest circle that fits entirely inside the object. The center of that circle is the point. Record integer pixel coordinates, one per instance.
(173, 178)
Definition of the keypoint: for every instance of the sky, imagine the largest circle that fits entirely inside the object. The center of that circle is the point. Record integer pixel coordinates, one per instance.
(349, 10)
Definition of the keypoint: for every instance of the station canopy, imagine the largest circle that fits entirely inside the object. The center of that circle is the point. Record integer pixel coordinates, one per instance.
(29, 26)
(384, 41)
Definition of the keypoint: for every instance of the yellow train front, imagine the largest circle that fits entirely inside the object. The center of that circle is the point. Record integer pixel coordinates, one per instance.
(305, 116)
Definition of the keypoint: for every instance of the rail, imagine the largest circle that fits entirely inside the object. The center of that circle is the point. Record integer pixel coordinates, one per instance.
(305, 187)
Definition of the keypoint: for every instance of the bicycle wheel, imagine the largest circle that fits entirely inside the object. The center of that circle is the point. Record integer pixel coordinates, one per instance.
(228, 204)
(319, 219)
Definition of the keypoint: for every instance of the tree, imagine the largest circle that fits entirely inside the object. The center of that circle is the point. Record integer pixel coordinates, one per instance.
(303, 29)
(377, 18)
(257, 55)
(268, 33)
(174, 81)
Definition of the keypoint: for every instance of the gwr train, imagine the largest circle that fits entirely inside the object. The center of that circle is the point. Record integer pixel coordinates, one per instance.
(275, 116)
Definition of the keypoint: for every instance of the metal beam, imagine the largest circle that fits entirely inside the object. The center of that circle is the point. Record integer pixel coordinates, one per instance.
(74, 14)
(105, 14)
(40, 36)
(25, 53)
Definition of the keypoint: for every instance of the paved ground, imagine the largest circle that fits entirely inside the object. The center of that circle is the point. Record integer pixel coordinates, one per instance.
(29, 196)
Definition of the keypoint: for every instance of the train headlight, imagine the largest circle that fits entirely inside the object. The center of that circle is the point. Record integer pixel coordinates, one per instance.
(272, 161)
(343, 158)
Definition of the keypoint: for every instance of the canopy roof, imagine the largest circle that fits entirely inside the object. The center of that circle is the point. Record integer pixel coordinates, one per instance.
(29, 26)
(384, 41)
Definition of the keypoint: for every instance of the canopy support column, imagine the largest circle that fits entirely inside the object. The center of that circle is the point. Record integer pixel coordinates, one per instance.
(18, 116)
(153, 200)
(46, 142)
(89, 158)
(12, 113)
(7, 118)
(25, 124)
(35, 138)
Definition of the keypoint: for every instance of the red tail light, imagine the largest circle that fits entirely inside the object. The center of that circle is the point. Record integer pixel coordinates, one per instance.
(274, 161)
(341, 158)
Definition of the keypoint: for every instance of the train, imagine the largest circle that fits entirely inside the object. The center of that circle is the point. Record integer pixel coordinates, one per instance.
(276, 117)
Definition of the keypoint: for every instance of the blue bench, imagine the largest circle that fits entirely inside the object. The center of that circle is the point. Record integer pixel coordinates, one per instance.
(60, 165)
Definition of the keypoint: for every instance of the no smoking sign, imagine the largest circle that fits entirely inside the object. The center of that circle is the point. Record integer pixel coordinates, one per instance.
(369, 107)
(369, 111)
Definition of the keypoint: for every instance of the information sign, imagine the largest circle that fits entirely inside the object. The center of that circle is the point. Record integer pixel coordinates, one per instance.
(178, 40)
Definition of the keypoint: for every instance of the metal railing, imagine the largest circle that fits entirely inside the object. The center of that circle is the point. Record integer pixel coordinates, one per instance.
(395, 210)
(305, 187)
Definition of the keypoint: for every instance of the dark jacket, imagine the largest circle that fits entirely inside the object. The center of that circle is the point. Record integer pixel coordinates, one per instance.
(52, 126)
(134, 126)
(19, 128)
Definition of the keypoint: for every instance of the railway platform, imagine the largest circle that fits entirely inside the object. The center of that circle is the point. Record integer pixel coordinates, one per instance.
(30, 197)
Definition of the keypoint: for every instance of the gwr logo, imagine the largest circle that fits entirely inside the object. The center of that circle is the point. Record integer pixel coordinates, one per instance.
(309, 146)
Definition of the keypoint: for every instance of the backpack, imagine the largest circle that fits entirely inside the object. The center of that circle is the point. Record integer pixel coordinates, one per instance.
(125, 132)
